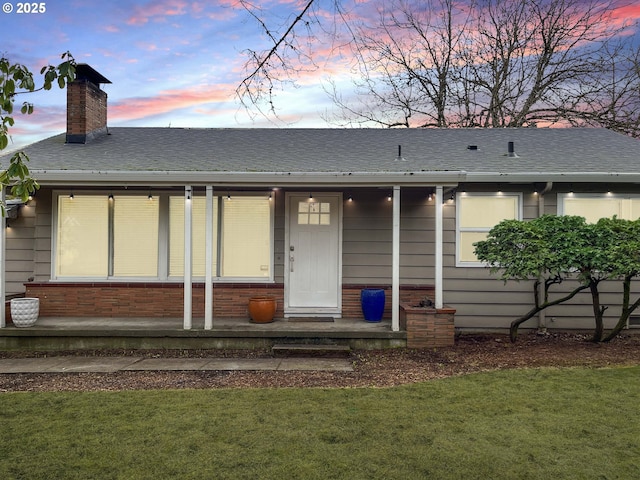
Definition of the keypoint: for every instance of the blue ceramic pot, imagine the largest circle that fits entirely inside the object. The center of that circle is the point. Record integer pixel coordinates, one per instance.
(372, 301)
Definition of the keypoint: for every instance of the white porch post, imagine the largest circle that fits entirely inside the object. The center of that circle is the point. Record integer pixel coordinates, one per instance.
(187, 259)
(438, 259)
(208, 270)
(3, 244)
(395, 262)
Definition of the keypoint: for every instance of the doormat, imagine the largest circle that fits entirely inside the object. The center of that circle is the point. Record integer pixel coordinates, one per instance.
(310, 319)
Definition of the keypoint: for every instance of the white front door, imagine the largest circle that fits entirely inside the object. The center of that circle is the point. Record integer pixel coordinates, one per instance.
(313, 255)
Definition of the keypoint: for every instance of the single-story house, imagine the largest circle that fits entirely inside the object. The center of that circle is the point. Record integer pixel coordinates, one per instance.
(153, 222)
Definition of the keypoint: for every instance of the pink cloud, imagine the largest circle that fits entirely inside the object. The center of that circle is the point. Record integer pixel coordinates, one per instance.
(167, 101)
(625, 15)
(157, 10)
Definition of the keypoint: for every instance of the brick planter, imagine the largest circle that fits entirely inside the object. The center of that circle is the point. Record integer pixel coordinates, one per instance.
(427, 327)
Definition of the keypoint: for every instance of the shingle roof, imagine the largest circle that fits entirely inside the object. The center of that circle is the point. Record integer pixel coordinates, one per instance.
(541, 152)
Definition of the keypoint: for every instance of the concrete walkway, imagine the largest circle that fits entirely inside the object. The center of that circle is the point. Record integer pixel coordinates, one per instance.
(116, 364)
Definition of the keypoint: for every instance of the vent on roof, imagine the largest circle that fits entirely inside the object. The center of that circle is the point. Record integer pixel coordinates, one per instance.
(472, 147)
(400, 158)
(511, 150)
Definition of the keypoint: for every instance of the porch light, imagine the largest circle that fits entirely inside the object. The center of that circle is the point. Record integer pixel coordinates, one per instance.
(430, 197)
(228, 196)
(270, 196)
(389, 197)
(310, 196)
(71, 196)
(349, 198)
(111, 196)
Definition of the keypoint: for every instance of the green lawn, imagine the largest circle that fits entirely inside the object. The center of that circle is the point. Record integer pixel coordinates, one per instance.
(522, 424)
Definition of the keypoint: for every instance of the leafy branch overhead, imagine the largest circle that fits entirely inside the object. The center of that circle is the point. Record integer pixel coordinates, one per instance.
(16, 79)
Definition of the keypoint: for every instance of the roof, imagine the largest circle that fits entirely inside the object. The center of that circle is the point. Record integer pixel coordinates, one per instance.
(340, 156)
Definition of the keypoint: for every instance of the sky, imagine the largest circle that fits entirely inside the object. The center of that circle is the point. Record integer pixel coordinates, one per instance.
(172, 63)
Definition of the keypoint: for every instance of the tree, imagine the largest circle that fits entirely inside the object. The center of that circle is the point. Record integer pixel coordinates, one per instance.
(541, 250)
(484, 63)
(551, 249)
(406, 66)
(17, 79)
(619, 243)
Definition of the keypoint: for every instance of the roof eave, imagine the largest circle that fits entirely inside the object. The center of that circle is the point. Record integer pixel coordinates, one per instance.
(145, 178)
(570, 177)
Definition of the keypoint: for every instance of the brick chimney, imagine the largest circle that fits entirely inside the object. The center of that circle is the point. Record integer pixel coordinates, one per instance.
(86, 106)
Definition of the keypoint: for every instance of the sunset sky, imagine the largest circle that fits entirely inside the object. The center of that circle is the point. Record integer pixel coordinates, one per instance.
(171, 62)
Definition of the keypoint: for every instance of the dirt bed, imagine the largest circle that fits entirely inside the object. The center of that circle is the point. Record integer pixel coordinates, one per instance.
(379, 368)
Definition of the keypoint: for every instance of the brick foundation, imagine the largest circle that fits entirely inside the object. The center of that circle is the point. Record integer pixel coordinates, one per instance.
(427, 327)
(135, 299)
(144, 299)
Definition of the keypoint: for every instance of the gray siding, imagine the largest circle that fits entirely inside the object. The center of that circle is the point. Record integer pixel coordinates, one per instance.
(20, 249)
(482, 300)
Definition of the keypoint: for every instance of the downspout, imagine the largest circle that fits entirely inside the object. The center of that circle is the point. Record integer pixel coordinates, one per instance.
(542, 319)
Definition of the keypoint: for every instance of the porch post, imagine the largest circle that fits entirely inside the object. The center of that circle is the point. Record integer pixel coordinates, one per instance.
(187, 259)
(395, 262)
(438, 259)
(3, 244)
(208, 271)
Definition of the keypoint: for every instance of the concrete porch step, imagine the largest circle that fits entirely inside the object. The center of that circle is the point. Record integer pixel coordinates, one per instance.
(307, 349)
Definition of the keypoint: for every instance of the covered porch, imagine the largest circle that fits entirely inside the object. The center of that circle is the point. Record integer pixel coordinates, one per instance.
(382, 240)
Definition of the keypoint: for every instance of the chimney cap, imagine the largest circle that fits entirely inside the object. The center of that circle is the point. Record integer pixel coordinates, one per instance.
(86, 72)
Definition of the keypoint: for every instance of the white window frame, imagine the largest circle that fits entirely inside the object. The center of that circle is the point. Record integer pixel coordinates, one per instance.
(520, 208)
(163, 239)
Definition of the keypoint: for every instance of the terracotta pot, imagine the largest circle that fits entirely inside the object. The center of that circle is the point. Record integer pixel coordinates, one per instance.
(262, 309)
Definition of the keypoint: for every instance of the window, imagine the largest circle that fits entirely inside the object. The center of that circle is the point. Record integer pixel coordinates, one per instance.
(176, 235)
(242, 231)
(82, 242)
(135, 237)
(596, 206)
(100, 236)
(476, 214)
(314, 213)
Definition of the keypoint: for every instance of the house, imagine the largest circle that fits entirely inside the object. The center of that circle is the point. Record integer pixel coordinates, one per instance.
(178, 222)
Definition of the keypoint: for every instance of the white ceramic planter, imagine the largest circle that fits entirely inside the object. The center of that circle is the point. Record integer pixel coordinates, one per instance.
(24, 311)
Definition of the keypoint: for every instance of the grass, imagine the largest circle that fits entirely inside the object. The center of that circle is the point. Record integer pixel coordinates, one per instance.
(522, 424)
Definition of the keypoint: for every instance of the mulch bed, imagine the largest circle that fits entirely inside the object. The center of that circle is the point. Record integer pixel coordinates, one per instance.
(372, 368)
